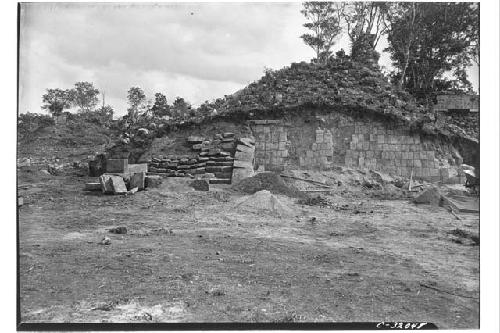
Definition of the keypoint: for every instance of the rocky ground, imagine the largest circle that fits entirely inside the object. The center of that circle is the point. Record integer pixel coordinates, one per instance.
(359, 253)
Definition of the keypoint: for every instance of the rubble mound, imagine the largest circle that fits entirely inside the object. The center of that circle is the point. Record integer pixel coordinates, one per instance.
(340, 84)
(265, 202)
(269, 181)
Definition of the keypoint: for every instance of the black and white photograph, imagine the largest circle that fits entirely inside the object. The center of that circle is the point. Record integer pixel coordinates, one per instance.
(249, 165)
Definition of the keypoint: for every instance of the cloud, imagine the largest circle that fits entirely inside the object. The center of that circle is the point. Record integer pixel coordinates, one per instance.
(197, 51)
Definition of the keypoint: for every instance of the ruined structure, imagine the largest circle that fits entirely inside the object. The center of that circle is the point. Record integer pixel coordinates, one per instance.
(344, 112)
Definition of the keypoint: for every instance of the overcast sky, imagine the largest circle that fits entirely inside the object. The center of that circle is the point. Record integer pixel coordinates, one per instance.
(199, 51)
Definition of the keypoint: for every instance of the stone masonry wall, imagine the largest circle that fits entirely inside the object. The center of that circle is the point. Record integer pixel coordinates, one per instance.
(320, 142)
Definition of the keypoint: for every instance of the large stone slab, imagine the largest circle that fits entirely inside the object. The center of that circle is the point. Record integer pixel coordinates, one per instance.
(138, 180)
(118, 185)
(117, 165)
(106, 186)
(112, 184)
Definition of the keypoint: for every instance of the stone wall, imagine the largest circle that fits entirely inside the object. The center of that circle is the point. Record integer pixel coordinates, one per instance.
(457, 102)
(310, 141)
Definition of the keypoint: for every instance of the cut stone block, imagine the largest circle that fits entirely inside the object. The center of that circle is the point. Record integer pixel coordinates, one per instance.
(197, 146)
(227, 146)
(195, 139)
(245, 149)
(243, 164)
(138, 180)
(117, 165)
(135, 168)
(228, 135)
(249, 142)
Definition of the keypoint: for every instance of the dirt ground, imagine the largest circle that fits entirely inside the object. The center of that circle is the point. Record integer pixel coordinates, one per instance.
(199, 257)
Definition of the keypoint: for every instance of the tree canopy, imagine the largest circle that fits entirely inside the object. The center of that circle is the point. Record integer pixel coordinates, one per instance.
(56, 100)
(84, 96)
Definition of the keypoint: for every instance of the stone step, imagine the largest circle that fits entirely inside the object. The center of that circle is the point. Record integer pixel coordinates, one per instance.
(220, 181)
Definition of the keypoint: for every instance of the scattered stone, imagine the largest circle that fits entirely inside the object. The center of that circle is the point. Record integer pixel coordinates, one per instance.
(200, 185)
(20, 201)
(105, 241)
(118, 230)
(132, 191)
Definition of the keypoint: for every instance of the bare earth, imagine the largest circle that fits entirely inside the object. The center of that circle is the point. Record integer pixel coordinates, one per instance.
(198, 257)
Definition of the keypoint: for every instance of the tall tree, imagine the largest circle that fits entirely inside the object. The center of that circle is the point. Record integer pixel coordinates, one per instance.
(442, 41)
(84, 96)
(324, 25)
(56, 100)
(135, 97)
(160, 107)
(363, 18)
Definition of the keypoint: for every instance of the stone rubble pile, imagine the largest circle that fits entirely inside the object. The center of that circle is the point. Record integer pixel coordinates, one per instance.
(343, 84)
(218, 160)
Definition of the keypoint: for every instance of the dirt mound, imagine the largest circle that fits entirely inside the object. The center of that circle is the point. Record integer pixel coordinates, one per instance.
(430, 196)
(264, 201)
(267, 181)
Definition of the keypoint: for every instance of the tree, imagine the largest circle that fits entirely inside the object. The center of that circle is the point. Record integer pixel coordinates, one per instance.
(84, 96)
(181, 108)
(160, 107)
(56, 100)
(324, 26)
(135, 97)
(362, 19)
(442, 41)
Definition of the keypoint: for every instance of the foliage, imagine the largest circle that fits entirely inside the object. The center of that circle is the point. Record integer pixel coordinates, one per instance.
(84, 96)
(430, 40)
(324, 26)
(363, 18)
(182, 109)
(160, 107)
(56, 100)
